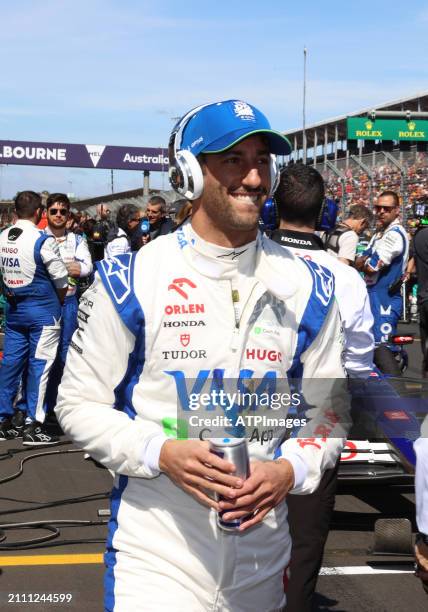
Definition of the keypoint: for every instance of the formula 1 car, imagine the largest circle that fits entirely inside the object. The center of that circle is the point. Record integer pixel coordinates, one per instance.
(386, 423)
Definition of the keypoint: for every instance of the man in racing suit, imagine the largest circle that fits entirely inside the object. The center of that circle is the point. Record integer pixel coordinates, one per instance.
(77, 259)
(384, 264)
(160, 324)
(35, 283)
(299, 199)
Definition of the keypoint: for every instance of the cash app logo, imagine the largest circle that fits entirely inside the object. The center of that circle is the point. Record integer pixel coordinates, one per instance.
(175, 428)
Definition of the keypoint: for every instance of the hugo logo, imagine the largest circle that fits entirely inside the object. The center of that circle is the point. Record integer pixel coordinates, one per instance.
(263, 355)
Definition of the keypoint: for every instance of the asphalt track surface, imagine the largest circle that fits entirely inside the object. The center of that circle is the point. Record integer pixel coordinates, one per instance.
(352, 579)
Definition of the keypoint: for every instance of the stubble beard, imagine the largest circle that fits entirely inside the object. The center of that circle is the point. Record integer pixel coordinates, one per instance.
(224, 215)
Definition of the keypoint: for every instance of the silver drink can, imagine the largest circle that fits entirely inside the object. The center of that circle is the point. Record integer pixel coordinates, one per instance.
(234, 450)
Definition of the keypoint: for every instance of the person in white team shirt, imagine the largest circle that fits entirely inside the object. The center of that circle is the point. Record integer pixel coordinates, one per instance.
(342, 240)
(299, 199)
(131, 363)
(119, 242)
(77, 259)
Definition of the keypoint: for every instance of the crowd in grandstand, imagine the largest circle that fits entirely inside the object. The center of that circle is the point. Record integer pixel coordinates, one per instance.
(362, 189)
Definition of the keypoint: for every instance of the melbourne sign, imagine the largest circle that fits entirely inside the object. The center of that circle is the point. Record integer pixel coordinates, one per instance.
(82, 156)
(386, 129)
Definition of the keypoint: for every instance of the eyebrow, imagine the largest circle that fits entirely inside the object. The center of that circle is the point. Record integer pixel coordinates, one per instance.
(242, 153)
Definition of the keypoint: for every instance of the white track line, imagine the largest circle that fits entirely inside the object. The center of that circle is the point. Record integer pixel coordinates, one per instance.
(361, 570)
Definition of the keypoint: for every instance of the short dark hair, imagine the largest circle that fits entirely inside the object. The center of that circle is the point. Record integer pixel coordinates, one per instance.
(300, 194)
(158, 200)
(391, 194)
(61, 198)
(360, 212)
(26, 204)
(125, 214)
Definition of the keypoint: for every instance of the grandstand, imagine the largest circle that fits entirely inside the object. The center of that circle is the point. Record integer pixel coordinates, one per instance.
(356, 171)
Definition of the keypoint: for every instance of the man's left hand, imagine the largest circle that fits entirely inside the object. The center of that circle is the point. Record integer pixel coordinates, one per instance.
(73, 268)
(266, 487)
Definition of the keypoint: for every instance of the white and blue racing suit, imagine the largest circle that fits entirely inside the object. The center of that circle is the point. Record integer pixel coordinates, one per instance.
(32, 269)
(72, 247)
(387, 255)
(156, 326)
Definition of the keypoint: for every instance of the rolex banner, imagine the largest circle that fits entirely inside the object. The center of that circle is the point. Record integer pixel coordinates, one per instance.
(83, 156)
(363, 128)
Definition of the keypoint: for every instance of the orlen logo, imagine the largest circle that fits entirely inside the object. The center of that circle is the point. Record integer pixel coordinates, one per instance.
(184, 339)
(177, 285)
(184, 309)
(263, 355)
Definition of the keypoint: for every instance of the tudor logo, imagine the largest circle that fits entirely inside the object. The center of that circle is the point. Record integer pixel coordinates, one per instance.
(184, 339)
(177, 285)
(195, 354)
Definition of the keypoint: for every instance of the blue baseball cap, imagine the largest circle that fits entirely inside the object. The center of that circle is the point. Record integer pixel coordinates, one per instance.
(219, 126)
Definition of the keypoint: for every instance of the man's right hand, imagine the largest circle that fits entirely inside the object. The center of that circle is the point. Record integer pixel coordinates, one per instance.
(359, 262)
(191, 466)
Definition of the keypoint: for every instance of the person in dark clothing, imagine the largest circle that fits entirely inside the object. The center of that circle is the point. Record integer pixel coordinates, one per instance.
(103, 231)
(160, 224)
(420, 254)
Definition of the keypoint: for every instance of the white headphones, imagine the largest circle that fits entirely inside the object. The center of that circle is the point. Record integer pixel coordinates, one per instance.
(185, 173)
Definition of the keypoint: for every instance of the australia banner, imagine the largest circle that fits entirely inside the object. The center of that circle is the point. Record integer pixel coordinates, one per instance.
(83, 156)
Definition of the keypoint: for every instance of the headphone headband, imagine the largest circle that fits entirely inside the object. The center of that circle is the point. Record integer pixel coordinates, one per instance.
(185, 173)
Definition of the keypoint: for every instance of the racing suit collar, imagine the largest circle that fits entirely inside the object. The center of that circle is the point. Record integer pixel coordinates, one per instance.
(393, 224)
(260, 258)
(217, 261)
(48, 231)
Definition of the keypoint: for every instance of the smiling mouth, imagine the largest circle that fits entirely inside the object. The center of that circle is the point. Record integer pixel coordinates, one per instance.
(246, 198)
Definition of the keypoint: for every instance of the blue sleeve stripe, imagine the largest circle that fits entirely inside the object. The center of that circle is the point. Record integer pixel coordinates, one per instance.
(315, 313)
(37, 246)
(117, 276)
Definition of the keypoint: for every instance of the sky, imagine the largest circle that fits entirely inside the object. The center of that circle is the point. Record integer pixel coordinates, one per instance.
(118, 72)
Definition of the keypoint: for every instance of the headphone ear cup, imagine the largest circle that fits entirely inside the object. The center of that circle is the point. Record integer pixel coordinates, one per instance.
(185, 175)
(274, 174)
(321, 215)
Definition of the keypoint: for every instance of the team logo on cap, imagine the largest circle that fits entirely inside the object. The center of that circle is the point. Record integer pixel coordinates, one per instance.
(243, 111)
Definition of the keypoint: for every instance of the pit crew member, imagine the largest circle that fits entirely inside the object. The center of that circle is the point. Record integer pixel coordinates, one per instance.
(35, 284)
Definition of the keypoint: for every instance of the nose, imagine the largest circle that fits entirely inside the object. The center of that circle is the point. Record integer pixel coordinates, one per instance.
(252, 178)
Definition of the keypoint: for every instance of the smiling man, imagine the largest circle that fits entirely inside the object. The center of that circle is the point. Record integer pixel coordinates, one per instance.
(160, 224)
(220, 281)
